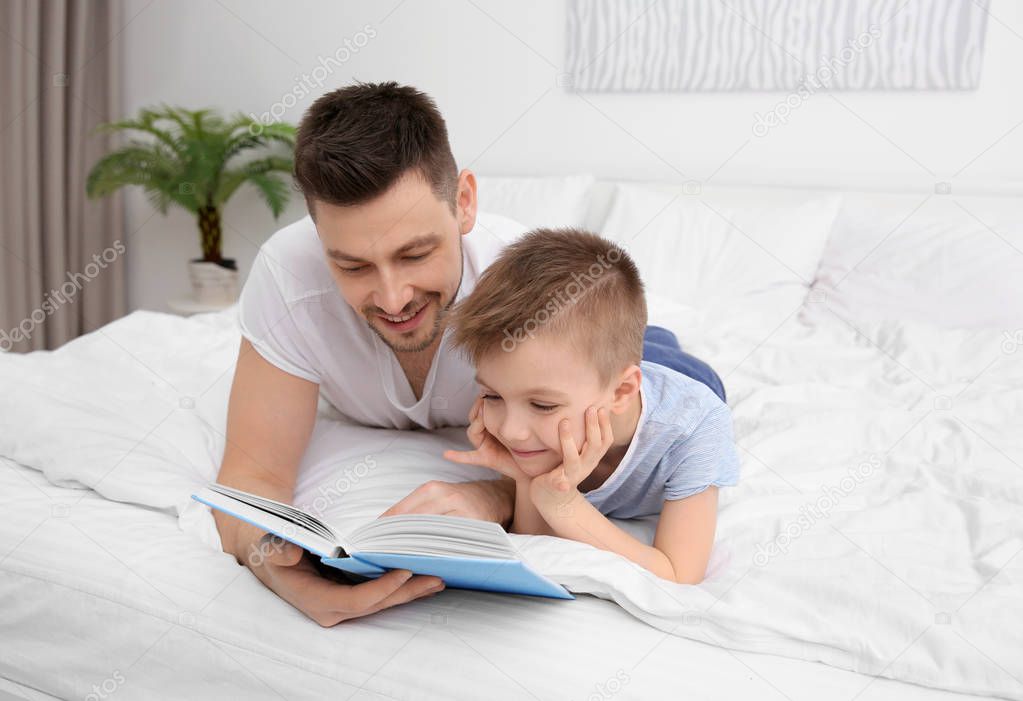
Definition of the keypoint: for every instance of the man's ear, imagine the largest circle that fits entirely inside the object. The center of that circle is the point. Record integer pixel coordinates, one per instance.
(626, 389)
(465, 202)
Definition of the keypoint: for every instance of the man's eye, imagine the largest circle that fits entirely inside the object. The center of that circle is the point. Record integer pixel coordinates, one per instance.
(419, 257)
(356, 269)
(545, 407)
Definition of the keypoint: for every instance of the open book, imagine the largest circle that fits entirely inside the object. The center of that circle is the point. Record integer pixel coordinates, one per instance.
(464, 552)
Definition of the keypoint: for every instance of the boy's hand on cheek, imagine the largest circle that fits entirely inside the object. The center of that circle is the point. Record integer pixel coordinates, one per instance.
(559, 486)
(489, 451)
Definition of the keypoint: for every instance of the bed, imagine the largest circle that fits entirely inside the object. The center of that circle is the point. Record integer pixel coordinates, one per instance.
(872, 549)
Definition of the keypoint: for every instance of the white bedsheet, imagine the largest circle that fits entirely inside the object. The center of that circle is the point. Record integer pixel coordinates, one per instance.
(913, 573)
(99, 592)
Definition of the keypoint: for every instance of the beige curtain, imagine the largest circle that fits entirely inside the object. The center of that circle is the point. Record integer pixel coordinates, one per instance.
(62, 262)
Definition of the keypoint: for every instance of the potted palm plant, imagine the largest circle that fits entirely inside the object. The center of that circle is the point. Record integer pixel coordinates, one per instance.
(193, 159)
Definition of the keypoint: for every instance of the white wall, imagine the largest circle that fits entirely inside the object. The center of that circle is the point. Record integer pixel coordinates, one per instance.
(493, 68)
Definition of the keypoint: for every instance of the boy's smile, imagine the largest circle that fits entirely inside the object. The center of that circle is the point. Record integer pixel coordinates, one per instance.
(528, 391)
(526, 454)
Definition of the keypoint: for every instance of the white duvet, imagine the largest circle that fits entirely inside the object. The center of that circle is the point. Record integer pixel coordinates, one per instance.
(878, 525)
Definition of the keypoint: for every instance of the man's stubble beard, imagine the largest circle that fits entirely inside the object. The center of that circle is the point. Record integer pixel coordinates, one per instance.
(442, 312)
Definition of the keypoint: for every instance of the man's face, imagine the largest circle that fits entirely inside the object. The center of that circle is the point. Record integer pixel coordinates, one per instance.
(528, 391)
(397, 260)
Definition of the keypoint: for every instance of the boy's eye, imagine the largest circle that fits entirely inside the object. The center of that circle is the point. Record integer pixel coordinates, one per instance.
(544, 407)
(490, 397)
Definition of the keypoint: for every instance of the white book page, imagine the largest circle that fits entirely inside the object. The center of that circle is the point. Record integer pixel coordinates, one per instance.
(263, 517)
(430, 534)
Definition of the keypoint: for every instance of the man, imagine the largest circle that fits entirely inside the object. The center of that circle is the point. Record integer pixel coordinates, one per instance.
(350, 303)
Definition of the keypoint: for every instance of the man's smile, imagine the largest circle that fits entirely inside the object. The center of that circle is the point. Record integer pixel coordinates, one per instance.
(404, 322)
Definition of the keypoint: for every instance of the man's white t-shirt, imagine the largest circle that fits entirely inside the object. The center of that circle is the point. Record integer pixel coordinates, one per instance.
(293, 314)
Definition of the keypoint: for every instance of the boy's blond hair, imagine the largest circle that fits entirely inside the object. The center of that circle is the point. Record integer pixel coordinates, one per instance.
(564, 282)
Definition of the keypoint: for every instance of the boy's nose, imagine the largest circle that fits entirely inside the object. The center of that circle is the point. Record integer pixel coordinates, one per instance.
(514, 430)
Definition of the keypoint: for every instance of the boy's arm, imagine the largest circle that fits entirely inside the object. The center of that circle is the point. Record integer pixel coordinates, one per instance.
(681, 549)
(527, 519)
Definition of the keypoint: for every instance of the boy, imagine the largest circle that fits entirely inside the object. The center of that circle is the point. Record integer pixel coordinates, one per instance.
(569, 410)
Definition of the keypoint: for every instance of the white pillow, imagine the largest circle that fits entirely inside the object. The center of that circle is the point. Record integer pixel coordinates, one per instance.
(947, 260)
(536, 202)
(724, 248)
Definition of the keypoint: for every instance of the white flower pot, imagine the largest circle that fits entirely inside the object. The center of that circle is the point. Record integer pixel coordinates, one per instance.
(214, 283)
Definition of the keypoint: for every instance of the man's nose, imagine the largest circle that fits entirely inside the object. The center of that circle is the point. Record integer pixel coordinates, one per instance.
(393, 295)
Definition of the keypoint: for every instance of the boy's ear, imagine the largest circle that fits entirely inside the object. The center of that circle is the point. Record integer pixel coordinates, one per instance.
(626, 389)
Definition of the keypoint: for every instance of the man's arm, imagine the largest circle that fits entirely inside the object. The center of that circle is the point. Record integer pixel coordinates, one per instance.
(484, 500)
(270, 418)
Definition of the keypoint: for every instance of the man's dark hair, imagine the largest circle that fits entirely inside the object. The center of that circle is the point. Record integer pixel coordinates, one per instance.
(354, 143)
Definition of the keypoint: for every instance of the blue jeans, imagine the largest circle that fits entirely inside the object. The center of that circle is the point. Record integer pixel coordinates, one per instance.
(660, 346)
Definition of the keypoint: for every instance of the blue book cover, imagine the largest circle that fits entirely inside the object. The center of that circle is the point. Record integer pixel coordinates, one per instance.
(465, 553)
(483, 574)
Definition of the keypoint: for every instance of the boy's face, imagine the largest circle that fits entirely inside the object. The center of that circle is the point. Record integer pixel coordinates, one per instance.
(397, 260)
(529, 390)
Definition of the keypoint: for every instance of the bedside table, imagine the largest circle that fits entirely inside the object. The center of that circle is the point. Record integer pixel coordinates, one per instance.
(186, 306)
